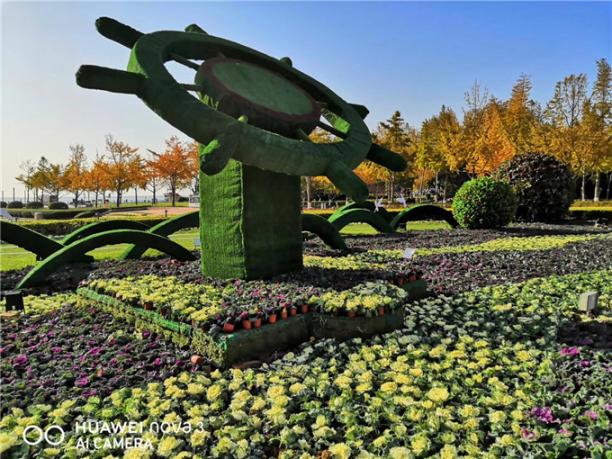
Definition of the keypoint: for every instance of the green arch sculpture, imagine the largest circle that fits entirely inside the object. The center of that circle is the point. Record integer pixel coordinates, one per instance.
(165, 228)
(368, 205)
(342, 218)
(32, 241)
(252, 117)
(324, 229)
(99, 227)
(423, 212)
(78, 248)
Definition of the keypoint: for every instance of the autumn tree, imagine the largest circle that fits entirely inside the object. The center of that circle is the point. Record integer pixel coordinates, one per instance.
(97, 179)
(74, 178)
(174, 165)
(395, 135)
(194, 158)
(122, 165)
(519, 118)
(599, 125)
(28, 169)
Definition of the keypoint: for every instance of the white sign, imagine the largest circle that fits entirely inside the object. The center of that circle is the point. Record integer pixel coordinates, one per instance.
(401, 200)
(409, 252)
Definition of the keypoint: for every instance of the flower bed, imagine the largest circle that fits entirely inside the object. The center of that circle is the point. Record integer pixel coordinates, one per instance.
(233, 322)
(443, 386)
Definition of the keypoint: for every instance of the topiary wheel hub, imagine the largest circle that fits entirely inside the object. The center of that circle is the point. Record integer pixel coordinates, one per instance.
(268, 100)
(252, 118)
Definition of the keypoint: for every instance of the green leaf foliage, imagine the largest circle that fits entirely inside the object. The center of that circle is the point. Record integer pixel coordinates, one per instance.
(484, 203)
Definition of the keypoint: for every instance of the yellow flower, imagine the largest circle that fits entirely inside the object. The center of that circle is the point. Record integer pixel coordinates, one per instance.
(517, 415)
(497, 417)
(448, 452)
(467, 411)
(195, 389)
(388, 387)
(379, 442)
(506, 440)
(340, 450)
(420, 444)
(136, 453)
(427, 404)
(167, 445)
(361, 388)
(437, 394)
(258, 404)
(416, 372)
(399, 452)
(7, 440)
(276, 414)
(275, 391)
(343, 382)
(523, 356)
(296, 388)
(199, 437)
(213, 392)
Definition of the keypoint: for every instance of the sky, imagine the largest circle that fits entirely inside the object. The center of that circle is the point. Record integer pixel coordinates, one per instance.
(407, 56)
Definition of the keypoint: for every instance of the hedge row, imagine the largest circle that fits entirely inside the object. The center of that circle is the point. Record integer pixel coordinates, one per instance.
(60, 214)
(63, 227)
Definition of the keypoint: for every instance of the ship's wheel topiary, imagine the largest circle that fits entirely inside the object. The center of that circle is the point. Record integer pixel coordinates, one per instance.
(252, 118)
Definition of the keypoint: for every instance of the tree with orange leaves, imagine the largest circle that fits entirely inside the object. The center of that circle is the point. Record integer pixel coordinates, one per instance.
(174, 165)
(75, 174)
(97, 178)
(122, 166)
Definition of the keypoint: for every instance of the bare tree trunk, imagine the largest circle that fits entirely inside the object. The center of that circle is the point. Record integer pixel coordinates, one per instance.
(96, 195)
(136, 194)
(597, 190)
(154, 194)
(583, 187)
(609, 184)
(436, 193)
(173, 191)
(118, 198)
(308, 191)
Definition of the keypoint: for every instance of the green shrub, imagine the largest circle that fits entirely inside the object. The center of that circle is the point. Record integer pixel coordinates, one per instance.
(544, 186)
(58, 205)
(3, 204)
(15, 205)
(484, 203)
(64, 227)
(34, 205)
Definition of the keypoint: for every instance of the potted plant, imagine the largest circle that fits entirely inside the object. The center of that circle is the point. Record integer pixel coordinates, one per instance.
(304, 308)
(284, 314)
(246, 320)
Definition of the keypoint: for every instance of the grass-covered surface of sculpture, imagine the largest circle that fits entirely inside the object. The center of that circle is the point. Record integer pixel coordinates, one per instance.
(252, 116)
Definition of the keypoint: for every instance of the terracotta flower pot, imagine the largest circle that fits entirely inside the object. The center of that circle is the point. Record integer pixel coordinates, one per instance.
(412, 277)
(148, 306)
(400, 281)
(351, 313)
(381, 311)
(246, 324)
(293, 311)
(304, 309)
(272, 318)
(196, 359)
(284, 314)
(258, 322)
(228, 327)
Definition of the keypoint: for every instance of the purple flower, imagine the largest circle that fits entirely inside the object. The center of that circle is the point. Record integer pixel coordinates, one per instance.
(591, 414)
(146, 333)
(569, 351)
(56, 349)
(157, 362)
(527, 434)
(608, 406)
(585, 363)
(543, 414)
(20, 360)
(82, 382)
(564, 431)
(95, 351)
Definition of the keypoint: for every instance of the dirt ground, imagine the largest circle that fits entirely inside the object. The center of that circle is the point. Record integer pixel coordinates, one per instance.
(157, 211)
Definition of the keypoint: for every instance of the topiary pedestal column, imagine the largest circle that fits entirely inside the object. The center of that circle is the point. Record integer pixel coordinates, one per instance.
(249, 223)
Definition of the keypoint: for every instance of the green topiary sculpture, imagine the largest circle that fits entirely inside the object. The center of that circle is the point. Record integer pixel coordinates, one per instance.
(544, 186)
(484, 203)
(252, 120)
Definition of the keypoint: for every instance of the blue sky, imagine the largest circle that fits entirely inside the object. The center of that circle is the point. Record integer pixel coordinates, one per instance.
(409, 56)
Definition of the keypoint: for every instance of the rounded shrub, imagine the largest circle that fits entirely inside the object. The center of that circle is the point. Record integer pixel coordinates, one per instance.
(543, 185)
(3, 204)
(484, 203)
(34, 205)
(58, 205)
(15, 205)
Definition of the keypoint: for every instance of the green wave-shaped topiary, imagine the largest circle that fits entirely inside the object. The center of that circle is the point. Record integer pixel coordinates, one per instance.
(99, 227)
(341, 218)
(32, 241)
(423, 212)
(324, 229)
(368, 205)
(165, 228)
(77, 249)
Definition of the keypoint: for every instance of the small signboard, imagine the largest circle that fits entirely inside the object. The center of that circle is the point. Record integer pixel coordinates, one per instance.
(409, 252)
